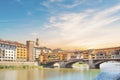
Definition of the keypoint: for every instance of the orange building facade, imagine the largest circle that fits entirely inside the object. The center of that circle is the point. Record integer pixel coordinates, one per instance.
(51, 57)
(21, 52)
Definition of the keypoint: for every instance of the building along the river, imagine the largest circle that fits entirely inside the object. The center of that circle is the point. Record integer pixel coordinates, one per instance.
(30, 48)
(107, 53)
(21, 52)
(37, 52)
(40, 50)
(7, 51)
(52, 57)
(34, 50)
(46, 50)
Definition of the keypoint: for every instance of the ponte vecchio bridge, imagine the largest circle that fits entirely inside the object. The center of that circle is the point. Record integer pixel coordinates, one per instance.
(93, 57)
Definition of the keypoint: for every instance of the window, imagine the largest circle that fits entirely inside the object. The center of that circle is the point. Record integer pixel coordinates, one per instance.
(101, 54)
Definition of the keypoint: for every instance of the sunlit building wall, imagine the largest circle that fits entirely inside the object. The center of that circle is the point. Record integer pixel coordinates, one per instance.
(37, 52)
(7, 51)
(21, 52)
(30, 48)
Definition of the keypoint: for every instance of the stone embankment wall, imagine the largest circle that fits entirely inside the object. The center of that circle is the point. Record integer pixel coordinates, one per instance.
(18, 63)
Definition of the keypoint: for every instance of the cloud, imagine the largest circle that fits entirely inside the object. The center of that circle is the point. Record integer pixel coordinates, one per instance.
(50, 3)
(62, 3)
(90, 28)
(74, 4)
(34, 34)
(46, 4)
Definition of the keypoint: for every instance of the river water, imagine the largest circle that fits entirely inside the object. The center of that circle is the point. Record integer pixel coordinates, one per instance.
(48, 74)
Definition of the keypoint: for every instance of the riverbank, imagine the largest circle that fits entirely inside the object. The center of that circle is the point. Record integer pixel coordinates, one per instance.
(18, 65)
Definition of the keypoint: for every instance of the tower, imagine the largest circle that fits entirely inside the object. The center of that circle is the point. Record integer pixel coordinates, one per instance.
(37, 42)
(30, 48)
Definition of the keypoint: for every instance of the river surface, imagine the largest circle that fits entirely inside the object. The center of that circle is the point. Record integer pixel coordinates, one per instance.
(48, 74)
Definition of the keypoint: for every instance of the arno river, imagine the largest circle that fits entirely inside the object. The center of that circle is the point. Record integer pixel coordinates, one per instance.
(48, 74)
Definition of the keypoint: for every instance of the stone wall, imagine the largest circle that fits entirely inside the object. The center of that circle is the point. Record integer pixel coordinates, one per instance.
(5, 63)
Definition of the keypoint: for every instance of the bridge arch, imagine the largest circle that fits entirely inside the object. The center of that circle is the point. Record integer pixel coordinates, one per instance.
(97, 64)
(70, 63)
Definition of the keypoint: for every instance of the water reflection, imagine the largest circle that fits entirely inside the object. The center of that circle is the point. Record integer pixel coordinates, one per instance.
(8, 75)
(109, 71)
(48, 74)
(108, 76)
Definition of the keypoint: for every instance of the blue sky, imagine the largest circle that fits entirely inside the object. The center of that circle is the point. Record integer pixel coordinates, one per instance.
(68, 24)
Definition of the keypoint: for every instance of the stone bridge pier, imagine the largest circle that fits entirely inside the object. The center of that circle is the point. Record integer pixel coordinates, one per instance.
(96, 63)
(91, 64)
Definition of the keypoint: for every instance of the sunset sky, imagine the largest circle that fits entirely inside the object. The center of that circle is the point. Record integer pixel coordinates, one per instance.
(67, 24)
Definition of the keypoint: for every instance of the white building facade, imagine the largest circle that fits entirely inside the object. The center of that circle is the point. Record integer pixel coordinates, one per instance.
(40, 50)
(7, 51)
(37, 52)
(46, 50)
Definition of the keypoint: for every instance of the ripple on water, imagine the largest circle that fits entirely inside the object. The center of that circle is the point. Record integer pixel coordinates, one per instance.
(108, 76)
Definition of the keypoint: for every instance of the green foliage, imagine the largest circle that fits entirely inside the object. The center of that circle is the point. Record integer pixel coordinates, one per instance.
(80, 62)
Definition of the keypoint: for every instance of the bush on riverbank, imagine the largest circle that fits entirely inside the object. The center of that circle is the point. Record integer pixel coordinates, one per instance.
(80, 64)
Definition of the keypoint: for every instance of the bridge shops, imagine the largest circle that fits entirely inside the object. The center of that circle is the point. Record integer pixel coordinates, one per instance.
(65, 59)
(52, 57)
(105, 54)
(66, 56)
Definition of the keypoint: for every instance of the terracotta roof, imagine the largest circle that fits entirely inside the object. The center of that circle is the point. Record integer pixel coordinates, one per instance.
(12, 43)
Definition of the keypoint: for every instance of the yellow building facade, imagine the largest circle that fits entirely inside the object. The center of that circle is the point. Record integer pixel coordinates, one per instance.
(51, 57)
(21, 51)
